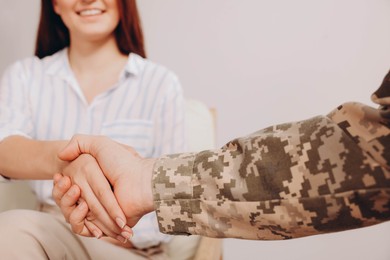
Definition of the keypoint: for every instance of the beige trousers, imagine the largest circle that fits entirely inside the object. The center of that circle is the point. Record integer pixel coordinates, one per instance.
(28, 234)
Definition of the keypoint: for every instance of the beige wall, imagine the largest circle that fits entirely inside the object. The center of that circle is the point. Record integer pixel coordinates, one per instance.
(258, 63)
(18, 24)
(265, 62)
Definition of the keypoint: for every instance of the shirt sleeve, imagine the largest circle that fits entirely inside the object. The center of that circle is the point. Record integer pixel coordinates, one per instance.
(15, 110)
(15, 113)
(291, 180)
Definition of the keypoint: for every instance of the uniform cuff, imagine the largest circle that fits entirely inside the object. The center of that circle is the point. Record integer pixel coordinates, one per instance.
(173, 192)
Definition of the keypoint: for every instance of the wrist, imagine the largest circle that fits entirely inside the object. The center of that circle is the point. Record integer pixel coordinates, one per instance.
(25, 158)
(147, 167)
(58, 164)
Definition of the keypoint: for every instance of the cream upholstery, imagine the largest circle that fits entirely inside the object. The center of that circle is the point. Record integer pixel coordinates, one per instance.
(201, 129)
(200, 124)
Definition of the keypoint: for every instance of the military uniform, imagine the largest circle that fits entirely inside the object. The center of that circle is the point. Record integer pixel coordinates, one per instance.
(325, 174)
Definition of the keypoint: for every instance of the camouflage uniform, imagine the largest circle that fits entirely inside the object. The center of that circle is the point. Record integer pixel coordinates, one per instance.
(324, 174)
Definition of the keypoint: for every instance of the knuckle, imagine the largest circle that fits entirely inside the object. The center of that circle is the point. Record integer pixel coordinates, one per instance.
(91, 217)
(95, 210)
(102, 193)
(88, 167)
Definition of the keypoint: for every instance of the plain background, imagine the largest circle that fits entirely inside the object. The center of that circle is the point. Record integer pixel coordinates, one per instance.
(259, 63)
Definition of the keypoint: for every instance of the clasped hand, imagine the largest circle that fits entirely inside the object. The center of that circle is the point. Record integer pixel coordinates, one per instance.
(105, 189)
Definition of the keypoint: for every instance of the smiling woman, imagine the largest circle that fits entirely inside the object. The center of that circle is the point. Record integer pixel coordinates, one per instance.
(97, 20)
(54, 35)
(90, 75)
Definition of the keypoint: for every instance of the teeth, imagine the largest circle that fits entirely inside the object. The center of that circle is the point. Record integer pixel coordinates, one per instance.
(90, 12)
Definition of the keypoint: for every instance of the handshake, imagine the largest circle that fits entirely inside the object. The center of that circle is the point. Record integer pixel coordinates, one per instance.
(105, 187)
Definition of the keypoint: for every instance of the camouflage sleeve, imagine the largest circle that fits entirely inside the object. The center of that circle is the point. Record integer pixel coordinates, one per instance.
(324, 174)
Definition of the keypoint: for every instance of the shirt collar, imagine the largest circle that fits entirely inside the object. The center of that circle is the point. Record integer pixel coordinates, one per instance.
(134, 64)
(58, 65)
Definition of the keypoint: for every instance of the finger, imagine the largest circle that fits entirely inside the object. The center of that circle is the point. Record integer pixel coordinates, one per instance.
(104, 223)
(76, 215)
(95, 230)
(61, 186)
(102, 148)
(69, 201)
(127, 233)
(82, 170)
(78, 223)
(98, 214)
(56, 178)
(101, 189)
(107, 152)
(104, 194)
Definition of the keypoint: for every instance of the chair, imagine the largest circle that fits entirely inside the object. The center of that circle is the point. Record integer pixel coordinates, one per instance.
(200, 124)
(201, 129)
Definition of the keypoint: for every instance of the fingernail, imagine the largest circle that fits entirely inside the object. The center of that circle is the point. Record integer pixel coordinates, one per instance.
(126, 235)
(97, 234)
(121, 239)
(120, 222)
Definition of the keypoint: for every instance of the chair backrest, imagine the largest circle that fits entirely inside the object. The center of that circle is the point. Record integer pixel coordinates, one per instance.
(201, 131)
(200, 126)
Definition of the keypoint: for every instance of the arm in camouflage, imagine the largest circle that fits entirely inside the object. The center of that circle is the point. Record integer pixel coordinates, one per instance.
(325, 174)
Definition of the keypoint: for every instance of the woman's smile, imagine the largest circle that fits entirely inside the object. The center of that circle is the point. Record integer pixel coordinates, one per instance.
(90, 12)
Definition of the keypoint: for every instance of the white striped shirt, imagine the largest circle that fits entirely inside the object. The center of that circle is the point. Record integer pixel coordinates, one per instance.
(41, 99)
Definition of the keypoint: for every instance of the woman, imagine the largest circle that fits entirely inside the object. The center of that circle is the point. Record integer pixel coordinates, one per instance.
(89, 76)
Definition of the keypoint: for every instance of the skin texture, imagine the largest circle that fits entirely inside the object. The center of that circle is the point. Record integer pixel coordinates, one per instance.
(129, 174)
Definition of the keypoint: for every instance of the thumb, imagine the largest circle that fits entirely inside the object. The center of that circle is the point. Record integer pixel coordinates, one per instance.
(78, 145)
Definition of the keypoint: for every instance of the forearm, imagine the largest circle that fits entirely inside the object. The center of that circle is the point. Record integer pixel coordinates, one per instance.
(285, 181)
(23, 158)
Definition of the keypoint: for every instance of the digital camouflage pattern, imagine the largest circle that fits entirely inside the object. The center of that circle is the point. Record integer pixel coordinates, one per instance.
(324, 174)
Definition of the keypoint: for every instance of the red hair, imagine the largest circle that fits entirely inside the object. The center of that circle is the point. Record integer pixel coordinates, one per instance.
(53, 35)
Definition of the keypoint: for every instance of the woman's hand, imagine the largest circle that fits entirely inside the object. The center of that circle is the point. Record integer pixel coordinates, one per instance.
(76, 210)
(129, 174)
(95, 191)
